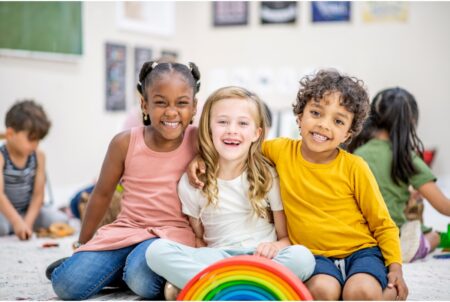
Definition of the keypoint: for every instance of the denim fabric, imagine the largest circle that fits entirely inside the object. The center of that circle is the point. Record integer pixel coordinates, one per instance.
(86, 273)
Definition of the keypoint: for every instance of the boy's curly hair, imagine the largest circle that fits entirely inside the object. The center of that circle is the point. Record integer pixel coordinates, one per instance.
(354, 96)
(28, 116)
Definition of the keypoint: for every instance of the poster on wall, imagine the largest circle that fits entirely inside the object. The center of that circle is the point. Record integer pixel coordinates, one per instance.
(115, 55)
(152, 17)
(141, 55)
(230, 13)
(168, 55)
(330, 11)
(278, 12)
(385, 11)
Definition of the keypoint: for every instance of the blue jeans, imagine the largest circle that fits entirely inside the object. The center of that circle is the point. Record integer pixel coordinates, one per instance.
(86, 273)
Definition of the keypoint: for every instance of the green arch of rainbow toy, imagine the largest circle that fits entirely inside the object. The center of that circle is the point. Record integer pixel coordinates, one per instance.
(245, 278)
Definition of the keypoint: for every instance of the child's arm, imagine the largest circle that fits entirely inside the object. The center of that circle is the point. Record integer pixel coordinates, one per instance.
(271, 249)
(395, 279)
(37, 199)
(431, 192)
(22, 231)
(111, 172)
(197, 227)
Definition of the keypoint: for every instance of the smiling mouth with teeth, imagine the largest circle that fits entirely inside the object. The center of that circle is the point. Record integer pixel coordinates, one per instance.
(231, 142)
(171, 124)
(319, 137)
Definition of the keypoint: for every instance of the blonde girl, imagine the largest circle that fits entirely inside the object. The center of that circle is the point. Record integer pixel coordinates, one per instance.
(232, 213)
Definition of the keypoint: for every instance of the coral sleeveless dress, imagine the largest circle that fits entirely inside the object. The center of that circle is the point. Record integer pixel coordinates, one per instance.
(150, 203)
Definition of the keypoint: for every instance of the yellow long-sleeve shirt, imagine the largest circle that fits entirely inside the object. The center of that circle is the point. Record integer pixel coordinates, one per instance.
(334, 209)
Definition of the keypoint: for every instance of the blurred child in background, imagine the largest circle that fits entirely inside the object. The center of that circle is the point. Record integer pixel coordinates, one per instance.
(390, 145)
(22, 183)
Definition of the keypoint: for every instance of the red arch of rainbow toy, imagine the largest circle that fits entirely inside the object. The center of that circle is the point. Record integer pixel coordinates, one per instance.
(245, 278)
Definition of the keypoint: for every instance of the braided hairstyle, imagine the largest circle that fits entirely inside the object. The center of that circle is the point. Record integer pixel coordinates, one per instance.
(153, 70)
(259, 176)
(394, 110)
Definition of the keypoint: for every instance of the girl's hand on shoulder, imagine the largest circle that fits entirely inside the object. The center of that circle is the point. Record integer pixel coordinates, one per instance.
(395, 279)
(267, 250)
(196, 167)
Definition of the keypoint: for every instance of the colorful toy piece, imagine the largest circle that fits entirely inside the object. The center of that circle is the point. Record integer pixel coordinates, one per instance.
(241, 278)
(445, 239)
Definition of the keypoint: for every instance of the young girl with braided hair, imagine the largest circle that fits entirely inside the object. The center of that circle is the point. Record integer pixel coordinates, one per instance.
(148, 161)
(232, 213)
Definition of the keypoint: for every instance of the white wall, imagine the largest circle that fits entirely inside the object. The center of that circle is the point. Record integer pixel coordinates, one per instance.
(414, 55)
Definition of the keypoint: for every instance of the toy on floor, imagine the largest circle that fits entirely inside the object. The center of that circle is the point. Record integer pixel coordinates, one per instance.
(445, 239)
(56, 230)
(245, 278)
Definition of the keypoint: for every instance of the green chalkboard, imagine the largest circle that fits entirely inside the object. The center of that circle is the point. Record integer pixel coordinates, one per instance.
(51, 27)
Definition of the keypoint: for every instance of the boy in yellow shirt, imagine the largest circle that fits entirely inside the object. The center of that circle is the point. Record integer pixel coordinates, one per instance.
(331, 199)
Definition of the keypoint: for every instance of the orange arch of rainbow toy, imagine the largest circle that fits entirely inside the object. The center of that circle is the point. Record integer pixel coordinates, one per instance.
(245, 278)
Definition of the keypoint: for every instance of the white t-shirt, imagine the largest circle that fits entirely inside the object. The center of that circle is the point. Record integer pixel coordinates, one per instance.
(232, 223)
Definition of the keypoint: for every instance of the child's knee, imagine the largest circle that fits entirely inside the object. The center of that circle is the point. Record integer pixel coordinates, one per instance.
(302, 260)
(5, 226)
(157, 253)
(4, 229)
(324, 287)
(362, 287)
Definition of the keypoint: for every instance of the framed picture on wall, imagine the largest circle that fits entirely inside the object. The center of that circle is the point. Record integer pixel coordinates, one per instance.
(229, 13)
(115, 56)
(388, 11)
(330, 11)
(141, 55)
(152, 17)
(278, 12)
(169, 55)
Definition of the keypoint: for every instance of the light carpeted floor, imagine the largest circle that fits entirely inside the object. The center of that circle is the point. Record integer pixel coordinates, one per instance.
(23, 263)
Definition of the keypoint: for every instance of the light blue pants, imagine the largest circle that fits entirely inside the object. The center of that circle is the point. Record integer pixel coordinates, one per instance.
(178, 263)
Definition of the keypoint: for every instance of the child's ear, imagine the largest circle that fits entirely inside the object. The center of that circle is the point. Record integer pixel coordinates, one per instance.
(298, 119)
(143, 105)
(257, 134)
(348, 137)
(195, 106)
(9, 132)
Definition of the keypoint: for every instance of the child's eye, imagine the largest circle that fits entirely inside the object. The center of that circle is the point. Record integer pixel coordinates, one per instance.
(160, 103)
(183, 103)
(339, 122)
(222, 122)
(243, 123)
(314, 113)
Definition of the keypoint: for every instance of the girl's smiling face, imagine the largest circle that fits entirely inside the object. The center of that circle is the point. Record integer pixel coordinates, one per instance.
(170, 105)
(233, 128)
(324, 126)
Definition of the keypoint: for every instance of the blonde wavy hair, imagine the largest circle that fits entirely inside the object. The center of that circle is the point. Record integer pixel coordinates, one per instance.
(257, 166)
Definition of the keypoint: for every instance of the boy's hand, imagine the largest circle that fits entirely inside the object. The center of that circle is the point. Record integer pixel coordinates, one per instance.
(395, 279)
(196, 167)
(267, 250)
(22, 230)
